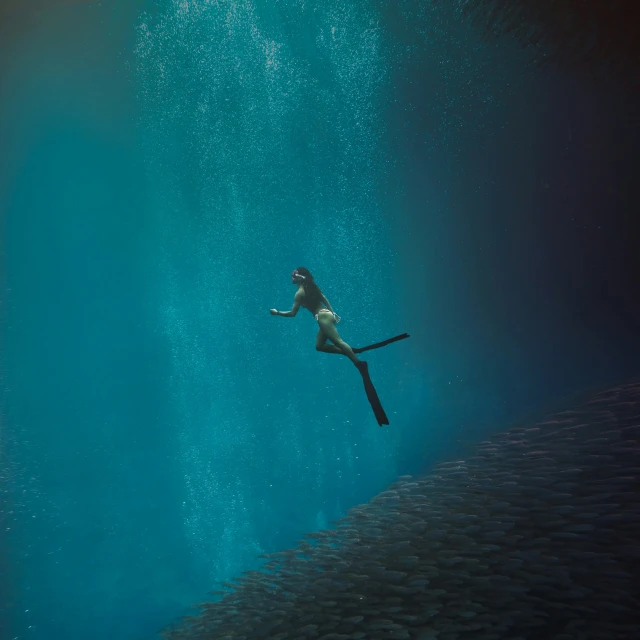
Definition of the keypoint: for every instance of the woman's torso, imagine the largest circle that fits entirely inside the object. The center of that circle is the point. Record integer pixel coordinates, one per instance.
(312, 302)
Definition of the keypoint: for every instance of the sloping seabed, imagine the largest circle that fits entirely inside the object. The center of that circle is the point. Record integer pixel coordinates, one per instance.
(536, 535)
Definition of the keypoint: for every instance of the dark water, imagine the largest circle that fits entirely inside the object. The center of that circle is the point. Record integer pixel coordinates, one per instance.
(164, 168)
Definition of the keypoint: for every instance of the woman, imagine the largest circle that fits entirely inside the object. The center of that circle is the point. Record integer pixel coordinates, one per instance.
(310, 297)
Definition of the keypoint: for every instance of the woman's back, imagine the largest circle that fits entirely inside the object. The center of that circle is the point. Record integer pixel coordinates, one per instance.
(313, 299)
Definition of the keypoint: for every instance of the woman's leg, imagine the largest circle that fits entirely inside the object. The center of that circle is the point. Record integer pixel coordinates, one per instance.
(328, 328)
(321, 344)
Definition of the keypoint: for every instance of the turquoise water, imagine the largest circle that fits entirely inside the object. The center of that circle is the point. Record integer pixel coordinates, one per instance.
(167, 166)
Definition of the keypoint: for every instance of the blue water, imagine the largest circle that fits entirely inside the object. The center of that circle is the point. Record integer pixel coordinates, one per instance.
(166, 165)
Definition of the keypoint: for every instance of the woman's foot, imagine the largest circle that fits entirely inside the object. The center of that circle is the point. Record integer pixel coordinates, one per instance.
(363, 367)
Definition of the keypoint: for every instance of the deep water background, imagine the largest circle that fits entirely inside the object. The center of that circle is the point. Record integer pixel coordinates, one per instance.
(164, 167)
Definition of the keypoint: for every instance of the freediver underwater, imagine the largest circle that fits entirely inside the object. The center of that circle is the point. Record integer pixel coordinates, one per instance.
(310, 296)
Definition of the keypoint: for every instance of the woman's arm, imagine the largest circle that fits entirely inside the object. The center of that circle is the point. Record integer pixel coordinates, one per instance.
(335, 315)
(296, 305)
(328, 304)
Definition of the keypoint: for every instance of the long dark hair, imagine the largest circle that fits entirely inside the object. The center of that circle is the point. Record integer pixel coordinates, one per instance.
(312, 294)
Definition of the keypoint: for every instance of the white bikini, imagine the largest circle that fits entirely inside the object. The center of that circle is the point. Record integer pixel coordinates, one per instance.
(336, 317)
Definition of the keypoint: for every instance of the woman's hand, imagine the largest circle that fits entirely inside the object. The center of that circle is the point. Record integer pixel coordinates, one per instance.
(273, 312)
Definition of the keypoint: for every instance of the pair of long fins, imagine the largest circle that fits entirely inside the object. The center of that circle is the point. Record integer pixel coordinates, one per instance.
(370, 390)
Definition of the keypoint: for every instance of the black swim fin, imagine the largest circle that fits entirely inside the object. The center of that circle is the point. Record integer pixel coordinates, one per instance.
(384, 343)
(372, 395)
